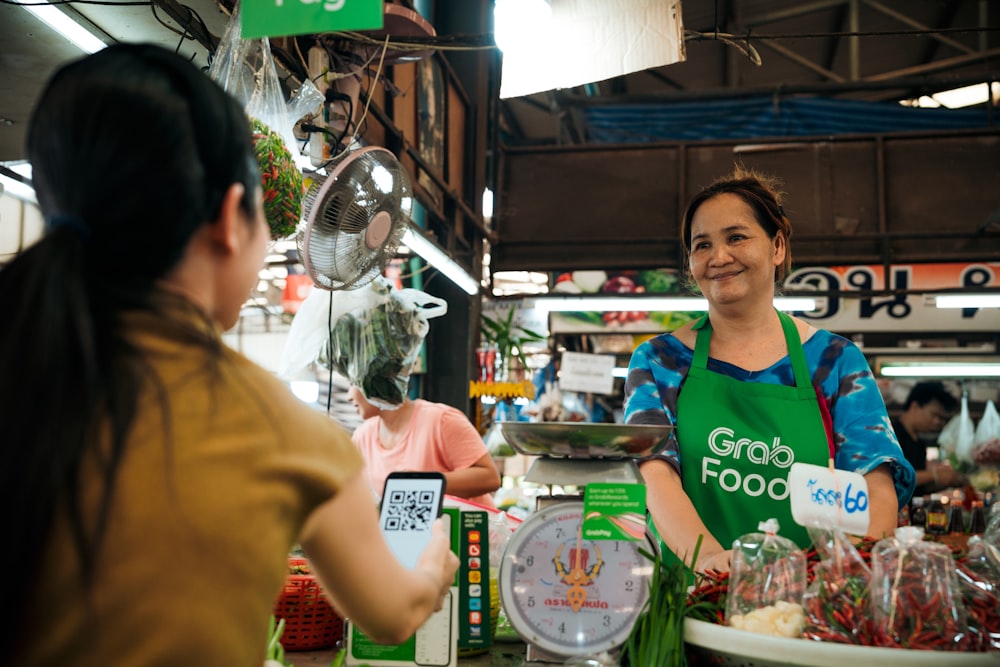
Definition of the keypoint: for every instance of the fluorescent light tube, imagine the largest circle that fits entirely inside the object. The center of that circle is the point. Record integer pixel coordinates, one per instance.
(436, 257)
(943, 370)
(18, 189)
(967, 300)
(67, 27)
(653, 303)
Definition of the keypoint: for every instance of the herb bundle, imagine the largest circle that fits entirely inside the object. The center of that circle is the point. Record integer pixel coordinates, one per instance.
(657, 638)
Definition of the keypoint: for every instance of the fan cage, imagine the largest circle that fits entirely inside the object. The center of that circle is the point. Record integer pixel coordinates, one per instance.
(355, 219)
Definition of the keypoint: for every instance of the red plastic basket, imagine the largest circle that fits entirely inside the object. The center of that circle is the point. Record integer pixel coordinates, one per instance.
(310, 622)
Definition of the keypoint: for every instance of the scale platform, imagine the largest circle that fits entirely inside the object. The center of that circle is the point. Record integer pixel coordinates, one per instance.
(578, 453)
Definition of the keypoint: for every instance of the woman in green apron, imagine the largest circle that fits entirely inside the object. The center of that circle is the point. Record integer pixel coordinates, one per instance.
(751, 390)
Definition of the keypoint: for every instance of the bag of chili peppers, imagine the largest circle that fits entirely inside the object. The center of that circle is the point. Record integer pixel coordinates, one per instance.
(916, 601)
(245, 69)
(979, 582)
(767, 582)
(836, 602)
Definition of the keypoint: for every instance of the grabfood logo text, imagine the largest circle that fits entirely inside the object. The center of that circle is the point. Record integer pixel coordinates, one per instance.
(724, 443)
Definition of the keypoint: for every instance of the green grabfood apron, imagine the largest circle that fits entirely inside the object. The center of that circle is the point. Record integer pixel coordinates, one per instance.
(738, 440)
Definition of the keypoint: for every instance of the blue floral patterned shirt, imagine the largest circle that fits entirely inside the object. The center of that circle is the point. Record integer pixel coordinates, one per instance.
(863, 435)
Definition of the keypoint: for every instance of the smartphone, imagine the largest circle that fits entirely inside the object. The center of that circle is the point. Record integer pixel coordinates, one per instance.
(411, 501)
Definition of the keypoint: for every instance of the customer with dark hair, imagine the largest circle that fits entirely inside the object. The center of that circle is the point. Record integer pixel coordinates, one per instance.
(751, 390)
(155, 480)
(928, 408)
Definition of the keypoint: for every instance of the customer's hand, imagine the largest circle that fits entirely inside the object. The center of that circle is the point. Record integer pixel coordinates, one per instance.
(439, 562)
(946, 477)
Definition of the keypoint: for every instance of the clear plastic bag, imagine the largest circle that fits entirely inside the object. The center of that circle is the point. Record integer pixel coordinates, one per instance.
(310, 329)
(836, 601)
(986, 443)
(245, 69)
(957, 437)
(979, 583)
(915, 598)
(767, 583)
(376, 344)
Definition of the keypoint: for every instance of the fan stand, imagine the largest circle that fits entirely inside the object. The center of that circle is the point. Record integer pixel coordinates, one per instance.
(378, 230)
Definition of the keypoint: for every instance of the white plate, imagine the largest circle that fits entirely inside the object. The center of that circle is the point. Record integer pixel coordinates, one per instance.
(722, 645)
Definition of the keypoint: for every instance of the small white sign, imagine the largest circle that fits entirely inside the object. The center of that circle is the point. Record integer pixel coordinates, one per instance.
(827, 498)
(590, 373)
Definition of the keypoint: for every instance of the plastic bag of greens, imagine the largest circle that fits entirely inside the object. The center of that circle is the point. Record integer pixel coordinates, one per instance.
(915, 598)
(309, 334)
(767, 583)
(836, 601)
(375, 345)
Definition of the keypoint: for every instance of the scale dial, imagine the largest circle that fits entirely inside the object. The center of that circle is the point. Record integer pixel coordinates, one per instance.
(569, 596)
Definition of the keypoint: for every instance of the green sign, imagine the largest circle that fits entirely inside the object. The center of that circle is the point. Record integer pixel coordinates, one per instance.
(614, 511)
(278, 18)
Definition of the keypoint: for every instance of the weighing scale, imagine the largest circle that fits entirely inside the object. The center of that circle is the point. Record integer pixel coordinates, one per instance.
(566, 596)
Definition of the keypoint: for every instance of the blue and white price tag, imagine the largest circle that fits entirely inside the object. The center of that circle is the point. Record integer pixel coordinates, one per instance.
(827, 498)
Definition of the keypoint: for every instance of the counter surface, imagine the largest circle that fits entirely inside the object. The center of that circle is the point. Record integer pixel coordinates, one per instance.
(502, 654)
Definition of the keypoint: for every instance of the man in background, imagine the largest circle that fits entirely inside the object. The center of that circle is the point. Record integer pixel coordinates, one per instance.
(928, 408)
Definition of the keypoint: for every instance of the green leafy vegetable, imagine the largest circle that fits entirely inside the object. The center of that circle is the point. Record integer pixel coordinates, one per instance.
(275, 651)
(657, 638)
(375, 348)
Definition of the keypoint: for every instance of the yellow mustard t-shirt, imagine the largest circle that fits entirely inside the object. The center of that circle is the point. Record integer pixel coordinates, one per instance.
(211, 495)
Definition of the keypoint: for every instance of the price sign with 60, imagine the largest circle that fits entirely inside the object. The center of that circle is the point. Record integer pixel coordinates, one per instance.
(828, 498)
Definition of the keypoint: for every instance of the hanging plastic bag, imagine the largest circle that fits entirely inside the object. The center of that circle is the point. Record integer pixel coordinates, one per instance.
(836, 601)
(958, 436)
(915, 598)
(310, 329)
(376, 344)
(986, 442)
(767, 583)
(245, 69)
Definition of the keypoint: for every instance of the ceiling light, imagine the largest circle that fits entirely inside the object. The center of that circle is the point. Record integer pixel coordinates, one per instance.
(305, 390)
(939, 370)
(67, 27)
(18, 189)
(654, 303)
(517, 22)
(967, 300)
(437, 258)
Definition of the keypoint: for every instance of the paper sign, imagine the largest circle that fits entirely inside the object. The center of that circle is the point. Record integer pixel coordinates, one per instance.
(614, 511)
(278, 18)
(587, 372)
(826, 498)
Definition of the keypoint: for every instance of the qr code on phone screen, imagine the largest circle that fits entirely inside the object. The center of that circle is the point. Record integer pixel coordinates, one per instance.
(409, 510)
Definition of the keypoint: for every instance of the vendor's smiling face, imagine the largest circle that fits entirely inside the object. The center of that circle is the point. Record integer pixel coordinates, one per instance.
(731, 254)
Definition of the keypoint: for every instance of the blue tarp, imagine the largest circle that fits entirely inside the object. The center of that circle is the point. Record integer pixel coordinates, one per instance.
(760, 117)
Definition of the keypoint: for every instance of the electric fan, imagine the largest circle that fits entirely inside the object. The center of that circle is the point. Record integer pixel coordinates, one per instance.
(354, 219)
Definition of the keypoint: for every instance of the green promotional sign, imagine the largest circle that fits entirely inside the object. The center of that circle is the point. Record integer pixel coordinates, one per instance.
(614, 511)
(278, 18)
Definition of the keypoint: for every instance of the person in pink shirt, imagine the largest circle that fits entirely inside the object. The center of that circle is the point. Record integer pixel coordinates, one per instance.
(422, 435)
